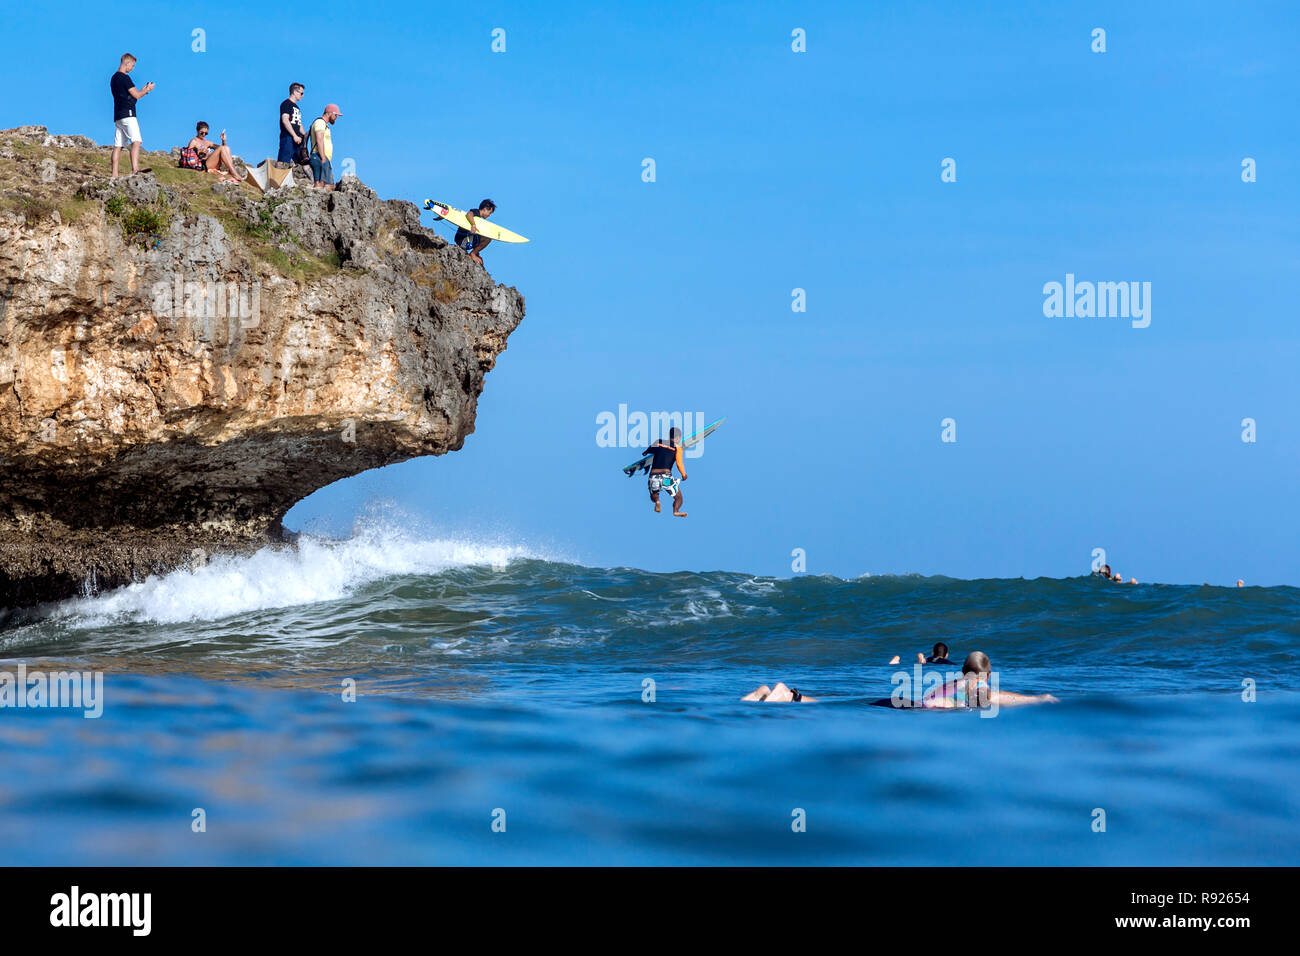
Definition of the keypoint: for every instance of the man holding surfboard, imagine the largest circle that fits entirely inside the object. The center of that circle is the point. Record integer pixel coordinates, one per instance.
(471, 240)
(663, 455)
(658, 461)
(473, 231)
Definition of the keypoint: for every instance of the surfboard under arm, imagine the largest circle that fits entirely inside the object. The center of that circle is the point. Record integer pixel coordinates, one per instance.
(483, 227)
(644, 463)
(641, 463)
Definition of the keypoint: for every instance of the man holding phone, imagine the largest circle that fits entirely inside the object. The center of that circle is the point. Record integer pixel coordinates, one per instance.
(126, 127)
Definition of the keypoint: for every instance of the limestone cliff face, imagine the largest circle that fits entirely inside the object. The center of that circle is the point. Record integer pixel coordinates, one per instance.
(181, 362)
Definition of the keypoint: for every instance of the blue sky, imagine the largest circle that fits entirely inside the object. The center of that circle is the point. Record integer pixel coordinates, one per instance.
(820, 170)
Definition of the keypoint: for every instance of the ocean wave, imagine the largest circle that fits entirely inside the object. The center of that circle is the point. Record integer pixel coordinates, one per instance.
(393, 597)
(311, 571)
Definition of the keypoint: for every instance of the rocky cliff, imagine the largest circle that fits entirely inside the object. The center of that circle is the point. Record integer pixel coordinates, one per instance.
(181, 361)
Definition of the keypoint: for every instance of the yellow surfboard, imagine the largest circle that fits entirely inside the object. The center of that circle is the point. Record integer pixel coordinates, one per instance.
(484, 227)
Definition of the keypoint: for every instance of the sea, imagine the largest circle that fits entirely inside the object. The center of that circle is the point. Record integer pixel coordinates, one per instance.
(407, 700)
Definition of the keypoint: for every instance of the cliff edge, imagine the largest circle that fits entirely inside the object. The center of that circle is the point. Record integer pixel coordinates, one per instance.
(181, 360)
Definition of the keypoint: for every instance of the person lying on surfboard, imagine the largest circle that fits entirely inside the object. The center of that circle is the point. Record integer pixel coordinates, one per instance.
(938, 656)
(665, 454)
(780, 694)
(469, 239)
(972, 689)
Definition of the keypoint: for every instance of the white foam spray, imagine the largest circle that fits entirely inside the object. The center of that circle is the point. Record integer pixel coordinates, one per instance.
(311, 571)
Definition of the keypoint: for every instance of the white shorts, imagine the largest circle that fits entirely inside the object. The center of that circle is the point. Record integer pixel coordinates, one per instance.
(126, 131)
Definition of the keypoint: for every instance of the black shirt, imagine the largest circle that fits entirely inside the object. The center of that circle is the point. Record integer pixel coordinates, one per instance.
(123, 101)
(295, 117)
(665, 456)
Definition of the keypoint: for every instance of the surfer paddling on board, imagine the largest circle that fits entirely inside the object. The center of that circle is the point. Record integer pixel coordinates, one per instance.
(665, 454)
(780, 694)
(939, 656)
(972, 689)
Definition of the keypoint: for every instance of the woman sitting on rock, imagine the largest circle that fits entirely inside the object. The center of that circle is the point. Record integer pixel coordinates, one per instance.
(203, 154)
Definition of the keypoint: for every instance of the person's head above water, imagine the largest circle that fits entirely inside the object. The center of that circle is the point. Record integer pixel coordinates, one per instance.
(940, 650)
(977, 662)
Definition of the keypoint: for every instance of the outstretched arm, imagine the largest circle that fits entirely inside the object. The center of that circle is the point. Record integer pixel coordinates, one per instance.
(1005, 698)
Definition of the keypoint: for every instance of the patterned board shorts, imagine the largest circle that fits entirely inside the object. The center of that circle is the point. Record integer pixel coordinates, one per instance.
(665, 483)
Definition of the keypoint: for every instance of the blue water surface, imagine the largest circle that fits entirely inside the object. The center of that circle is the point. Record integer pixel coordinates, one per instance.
(517, 693)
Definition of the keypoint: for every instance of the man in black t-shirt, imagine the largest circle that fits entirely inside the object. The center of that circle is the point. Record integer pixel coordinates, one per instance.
(126, 128)
(471, 240)
(292, 134)
(663, 455)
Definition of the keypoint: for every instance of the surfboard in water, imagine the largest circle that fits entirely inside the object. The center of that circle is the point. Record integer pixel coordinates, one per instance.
(644, 463)
(486, 227)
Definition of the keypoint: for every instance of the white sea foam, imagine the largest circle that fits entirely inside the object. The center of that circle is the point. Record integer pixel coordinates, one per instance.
(311, 571)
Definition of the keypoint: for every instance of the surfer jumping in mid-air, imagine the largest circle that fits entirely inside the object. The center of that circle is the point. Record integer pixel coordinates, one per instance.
(658, 461)
(665, 454)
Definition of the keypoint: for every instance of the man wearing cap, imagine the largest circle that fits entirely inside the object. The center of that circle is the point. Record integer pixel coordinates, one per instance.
(322, 147)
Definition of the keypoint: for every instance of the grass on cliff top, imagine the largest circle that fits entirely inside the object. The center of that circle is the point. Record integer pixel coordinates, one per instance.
(31, 192)
(39, 180)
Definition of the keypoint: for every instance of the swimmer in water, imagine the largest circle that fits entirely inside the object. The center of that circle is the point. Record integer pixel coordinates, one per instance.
(1105, 572)
(939, 655)
(780, 694)
(972, 689)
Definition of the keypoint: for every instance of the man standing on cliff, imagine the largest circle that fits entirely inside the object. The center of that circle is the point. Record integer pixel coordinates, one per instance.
(322, 147)
(292, 135)
(126, 128)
